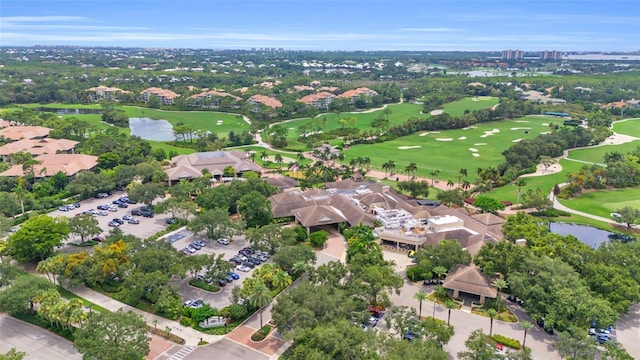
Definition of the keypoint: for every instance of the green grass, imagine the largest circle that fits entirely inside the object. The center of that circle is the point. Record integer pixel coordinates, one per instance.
(270, 161)
(457, 108)
(628, 127)
(596, 154)
(451, 156)
(69, 296)
(578, 219)
(400, 113)
(603, 203)
(64, 106)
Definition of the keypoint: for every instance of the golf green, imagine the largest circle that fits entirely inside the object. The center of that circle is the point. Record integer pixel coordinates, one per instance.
(603, 203)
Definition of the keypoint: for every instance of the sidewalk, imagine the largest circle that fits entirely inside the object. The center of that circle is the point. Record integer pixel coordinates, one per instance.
(190, 335)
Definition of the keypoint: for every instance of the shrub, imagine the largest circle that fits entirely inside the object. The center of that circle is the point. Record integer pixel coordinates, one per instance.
(203, 285)
(265, 330)
(167, 335)
(185, 321)
(318, 238)
(234, 312)
(417, 273)
(301, 233)
(512, 343)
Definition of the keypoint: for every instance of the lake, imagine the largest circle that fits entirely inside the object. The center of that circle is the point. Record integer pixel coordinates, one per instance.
(587, 234)
(151, 129)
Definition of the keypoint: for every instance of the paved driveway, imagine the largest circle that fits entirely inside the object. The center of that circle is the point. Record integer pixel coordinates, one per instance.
(36, 342)
(146, 228)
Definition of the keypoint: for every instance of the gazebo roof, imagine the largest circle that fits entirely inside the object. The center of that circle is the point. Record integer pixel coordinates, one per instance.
(469, 279)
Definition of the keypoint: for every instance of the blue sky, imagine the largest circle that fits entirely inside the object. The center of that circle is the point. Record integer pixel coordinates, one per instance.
(530, 25)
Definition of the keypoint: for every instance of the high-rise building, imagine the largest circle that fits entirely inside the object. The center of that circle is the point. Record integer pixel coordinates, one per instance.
(551, 55)
(512, 54)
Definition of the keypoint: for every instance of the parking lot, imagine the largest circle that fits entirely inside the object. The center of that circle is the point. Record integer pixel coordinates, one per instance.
(146, 228)
(183, 238)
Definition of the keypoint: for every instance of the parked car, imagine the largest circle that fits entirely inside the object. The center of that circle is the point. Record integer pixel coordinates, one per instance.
(119, 221)
(127, 217)
(201, 243)
(223, 241)
(235, 276)
(196, 304)
(123, 205)
(97, 238)
(188, 302)
(228, 278)
(134, 221)
(243, 268)
(195, 245)
(222, 282)
(103, 207)
(63, 208)
(129, 201)
(236, 261)
(112, 208)
(102, 213)
(147, 214)
(170, 221)
(113, 224)
(255, 260)
(249, 264)
(101, 195)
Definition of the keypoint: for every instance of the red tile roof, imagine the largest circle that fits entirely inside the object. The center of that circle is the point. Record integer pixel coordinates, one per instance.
(265, 100)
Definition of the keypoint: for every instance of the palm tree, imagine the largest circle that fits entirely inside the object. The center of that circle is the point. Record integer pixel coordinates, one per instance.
(519, 183)
(434, 175)
(525, 326)
(461, 174)
(263, 155)
(500, 284)
(281, 279)
(411, 169)
(386, 112)
(300, 157)
(260, 296)
(385, 167)
(439, 271)
(449, 304)
(450, 183)
(279, 160)
(420, 296)
(492, 314)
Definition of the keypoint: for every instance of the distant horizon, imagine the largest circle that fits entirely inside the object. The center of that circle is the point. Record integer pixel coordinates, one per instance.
(328, 25)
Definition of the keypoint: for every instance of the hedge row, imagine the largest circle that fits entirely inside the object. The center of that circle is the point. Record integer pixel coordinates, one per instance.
(167, 335)
(512, 343)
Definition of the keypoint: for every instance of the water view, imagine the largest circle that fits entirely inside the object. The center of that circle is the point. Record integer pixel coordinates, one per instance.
(587, 234)
(151, 129)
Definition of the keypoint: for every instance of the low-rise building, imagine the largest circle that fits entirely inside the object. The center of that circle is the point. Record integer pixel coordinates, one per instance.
(50, 164)
(99, 93)
(264, 100)
(166, 97)
(321, 100)
(37, 147)
(353, 95)
(24, 132)
(211, 98)
(214, 162)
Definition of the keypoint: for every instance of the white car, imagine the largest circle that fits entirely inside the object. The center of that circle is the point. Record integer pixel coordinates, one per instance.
(243, 268)
(223, 241)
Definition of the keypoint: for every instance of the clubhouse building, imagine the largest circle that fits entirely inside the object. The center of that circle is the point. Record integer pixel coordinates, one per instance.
(214, 162)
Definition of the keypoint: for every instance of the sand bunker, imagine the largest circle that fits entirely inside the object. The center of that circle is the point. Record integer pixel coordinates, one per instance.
(516, 140)
(444, 139)
(545, 132)
(462, 138)
(473, 149)
(475, 154)
(521, 128)
(409, 147)
(437, 112)
(425, 133)
(490, 132)
(470, 127)
(544, 124)
(474, 99)
(521, 121)
(479, 144)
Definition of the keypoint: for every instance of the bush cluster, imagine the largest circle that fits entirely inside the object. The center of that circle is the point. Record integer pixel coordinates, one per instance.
(512, 343)
(167, 335)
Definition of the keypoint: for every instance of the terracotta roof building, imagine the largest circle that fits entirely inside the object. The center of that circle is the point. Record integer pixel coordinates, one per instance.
(321, 100)
(470, 280)
(191, 166)
(211, 98)
(265, 100)
(302, 88)
(51, 164)
(166, 97)
(353, 95)
(99, 93)
(38, 146)
(24, 132)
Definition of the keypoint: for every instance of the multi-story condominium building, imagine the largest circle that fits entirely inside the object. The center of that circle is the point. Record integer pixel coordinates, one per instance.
(166, 97)
(321, 100)
(264, 100)
(99, 93)
(353, 95)
(512, 54)
(211, 98)
(551, 55)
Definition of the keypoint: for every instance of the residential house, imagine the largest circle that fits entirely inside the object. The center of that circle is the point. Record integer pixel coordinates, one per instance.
(166, 97)
(214, 162)
(211, 98)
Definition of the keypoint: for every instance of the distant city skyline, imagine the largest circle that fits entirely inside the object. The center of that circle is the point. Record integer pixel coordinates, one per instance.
(438, 25)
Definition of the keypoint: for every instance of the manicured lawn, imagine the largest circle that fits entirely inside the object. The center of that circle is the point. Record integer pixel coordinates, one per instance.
(510, 192)
(628, 127)
(400, 113)
(69, 295)
(270, 159)
(596, 154)
(168, 148)
(452, 150)
(577, 219)
(64, 106)
(457, 108)
(603, 203)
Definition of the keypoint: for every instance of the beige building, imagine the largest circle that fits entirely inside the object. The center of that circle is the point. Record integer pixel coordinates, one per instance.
(99, 93)
(166, 97)
(51, 164)
(24, 132)
(38, 146)
(353, 95)
(321, 100)
(192, 166)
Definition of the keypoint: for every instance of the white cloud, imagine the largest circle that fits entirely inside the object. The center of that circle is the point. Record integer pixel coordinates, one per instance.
(40, 18)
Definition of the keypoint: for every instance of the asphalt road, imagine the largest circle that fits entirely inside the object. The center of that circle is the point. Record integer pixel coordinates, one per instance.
(39, 344)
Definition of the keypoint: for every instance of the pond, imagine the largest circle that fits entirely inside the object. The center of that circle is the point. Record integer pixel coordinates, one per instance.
(589, 235)
(151, 129)
(60, 111)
